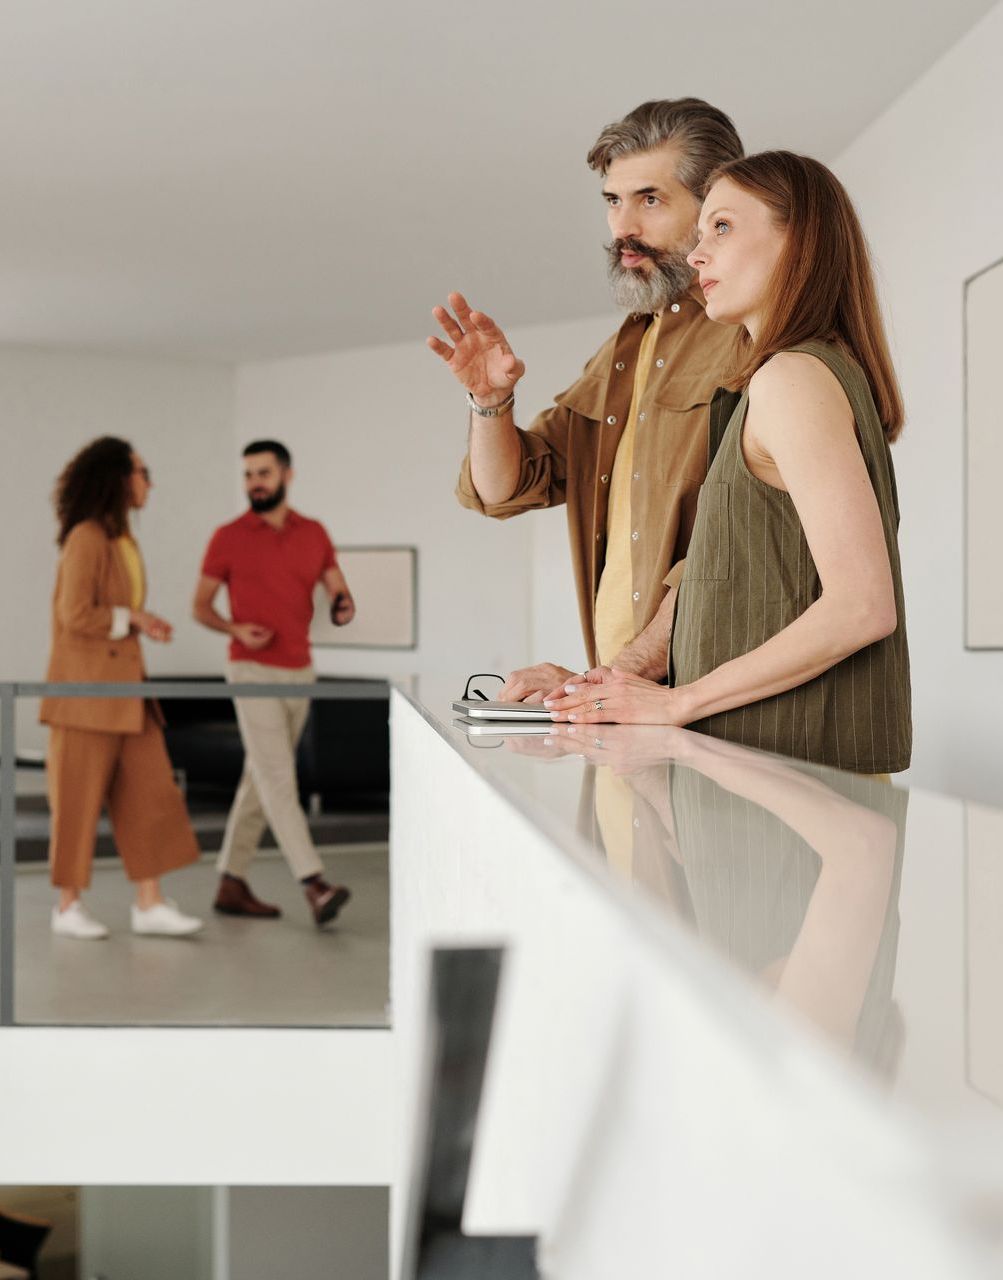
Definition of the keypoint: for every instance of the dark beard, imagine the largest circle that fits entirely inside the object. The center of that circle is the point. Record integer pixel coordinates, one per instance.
(261, 505)
(647, 291)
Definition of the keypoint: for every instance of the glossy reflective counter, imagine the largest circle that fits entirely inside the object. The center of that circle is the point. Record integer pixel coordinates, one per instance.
(831, 926)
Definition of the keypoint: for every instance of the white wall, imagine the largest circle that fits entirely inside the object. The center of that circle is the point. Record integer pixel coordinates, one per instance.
(179, 417)
(927, 178)
(377, 435)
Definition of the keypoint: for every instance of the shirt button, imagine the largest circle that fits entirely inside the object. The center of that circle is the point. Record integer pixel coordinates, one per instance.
(659, 364)
(637, 822)
(637, 475)
(641, 416)
(604, 479)
(674, 307)
(634, 536)
(620, 366)
(612, 419)
(598, 537)
(637, 595)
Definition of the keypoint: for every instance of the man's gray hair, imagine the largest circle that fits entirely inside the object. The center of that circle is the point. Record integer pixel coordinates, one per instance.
(706, 136)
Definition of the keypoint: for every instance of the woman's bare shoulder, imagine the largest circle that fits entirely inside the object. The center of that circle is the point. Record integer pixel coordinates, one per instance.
(799, 383)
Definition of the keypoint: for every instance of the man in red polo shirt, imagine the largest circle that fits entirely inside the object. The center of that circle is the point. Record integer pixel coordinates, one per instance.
(270, 559)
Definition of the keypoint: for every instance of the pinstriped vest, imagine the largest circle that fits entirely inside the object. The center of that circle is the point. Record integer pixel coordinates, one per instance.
(749, 574)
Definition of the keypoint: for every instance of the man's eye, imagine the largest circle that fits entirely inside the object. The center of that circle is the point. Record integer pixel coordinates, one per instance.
(651, 201)
(612, 201)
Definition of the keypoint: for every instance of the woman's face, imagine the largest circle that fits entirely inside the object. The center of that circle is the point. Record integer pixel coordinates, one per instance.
(140, 483)
(739, 247)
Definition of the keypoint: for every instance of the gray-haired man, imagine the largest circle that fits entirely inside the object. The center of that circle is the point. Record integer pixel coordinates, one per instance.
(626, 446)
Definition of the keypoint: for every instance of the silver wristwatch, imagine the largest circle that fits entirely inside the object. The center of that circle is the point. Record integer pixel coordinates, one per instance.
(494, 411)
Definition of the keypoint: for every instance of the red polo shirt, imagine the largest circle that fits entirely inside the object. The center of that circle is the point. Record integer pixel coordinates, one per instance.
(271, 575)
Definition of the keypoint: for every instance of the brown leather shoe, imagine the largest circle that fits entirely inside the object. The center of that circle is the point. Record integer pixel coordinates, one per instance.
(234, 898)
(325, 900)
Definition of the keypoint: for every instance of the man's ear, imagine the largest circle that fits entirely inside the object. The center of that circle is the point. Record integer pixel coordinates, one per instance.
(287, 475)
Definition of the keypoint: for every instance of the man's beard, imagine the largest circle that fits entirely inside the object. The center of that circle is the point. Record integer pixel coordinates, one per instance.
(647, 290)
(269, 502)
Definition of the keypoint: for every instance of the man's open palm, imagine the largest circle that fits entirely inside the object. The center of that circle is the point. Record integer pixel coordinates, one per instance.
(479, 356)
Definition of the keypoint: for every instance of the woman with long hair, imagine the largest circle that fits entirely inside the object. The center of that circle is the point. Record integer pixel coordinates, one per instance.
(789, 631)
(108, 751)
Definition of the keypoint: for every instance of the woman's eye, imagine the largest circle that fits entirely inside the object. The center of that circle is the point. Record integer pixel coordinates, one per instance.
(719, 224)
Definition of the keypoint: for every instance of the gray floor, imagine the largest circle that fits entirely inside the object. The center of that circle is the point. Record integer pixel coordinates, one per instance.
(237, 972)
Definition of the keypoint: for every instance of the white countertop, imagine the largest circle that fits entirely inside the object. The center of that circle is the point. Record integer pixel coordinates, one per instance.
(867, 913)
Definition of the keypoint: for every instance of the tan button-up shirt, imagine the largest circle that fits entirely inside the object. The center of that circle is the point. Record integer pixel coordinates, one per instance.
(568, 453)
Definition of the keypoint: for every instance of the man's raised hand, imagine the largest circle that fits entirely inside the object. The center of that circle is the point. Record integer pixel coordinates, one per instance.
(477, 352)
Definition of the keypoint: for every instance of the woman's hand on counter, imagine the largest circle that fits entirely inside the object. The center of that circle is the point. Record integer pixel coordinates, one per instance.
(620, 698)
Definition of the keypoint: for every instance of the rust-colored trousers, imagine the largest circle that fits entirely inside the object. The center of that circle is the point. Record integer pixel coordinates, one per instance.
(131, 774)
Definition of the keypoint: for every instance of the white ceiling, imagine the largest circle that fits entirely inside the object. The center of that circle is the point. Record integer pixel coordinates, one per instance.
(238, 179)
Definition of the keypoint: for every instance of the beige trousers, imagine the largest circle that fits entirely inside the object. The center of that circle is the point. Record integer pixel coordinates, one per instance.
(267, 794)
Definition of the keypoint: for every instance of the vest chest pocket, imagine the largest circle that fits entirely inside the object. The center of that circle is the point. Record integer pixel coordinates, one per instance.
(709, 555)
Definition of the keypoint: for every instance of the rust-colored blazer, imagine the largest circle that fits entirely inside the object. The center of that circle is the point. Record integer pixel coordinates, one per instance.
(92, 579)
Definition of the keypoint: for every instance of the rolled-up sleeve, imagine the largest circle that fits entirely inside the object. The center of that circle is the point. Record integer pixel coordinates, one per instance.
(546, 447)
(542, 473)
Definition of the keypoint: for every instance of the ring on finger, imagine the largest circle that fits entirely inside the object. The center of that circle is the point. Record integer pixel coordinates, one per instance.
(598, 704)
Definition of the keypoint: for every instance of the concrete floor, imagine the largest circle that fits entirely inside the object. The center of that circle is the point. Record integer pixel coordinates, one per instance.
(236, 972)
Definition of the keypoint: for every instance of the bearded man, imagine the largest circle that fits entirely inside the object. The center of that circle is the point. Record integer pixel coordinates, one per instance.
(626, 447)
(270, 559)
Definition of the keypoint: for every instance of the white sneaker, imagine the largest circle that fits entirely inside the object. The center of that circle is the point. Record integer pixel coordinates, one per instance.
(164, 918)
(74, 922)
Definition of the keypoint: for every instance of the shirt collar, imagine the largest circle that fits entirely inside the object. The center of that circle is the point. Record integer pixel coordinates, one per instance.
(693, 294)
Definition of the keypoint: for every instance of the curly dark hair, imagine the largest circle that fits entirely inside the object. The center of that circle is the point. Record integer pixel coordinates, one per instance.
(94, 485)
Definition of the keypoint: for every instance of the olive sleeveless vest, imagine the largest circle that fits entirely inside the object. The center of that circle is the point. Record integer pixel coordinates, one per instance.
(749, 573)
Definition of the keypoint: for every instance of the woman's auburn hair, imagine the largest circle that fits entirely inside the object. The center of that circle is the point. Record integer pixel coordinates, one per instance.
(93, 486)
(823, 285)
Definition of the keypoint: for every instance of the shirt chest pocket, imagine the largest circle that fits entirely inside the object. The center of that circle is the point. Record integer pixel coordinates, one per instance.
(709, 556)
(678, 410)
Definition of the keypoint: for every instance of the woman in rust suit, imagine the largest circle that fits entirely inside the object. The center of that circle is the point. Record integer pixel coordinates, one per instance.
(108, 751)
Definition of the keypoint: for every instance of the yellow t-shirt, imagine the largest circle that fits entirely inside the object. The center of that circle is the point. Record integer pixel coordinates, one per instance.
(614, 600)
(134, 567)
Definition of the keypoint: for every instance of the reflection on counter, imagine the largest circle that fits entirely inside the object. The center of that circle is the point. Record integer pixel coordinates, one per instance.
(790, 871)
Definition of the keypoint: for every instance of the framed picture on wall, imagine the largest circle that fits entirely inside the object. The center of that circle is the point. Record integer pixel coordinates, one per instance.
(983, 328)
(384, 585)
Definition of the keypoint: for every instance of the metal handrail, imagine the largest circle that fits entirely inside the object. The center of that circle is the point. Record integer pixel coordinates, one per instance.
(11, 690)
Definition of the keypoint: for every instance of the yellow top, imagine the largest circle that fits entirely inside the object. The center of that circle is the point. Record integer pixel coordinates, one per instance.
(134, 566)
(614, 599)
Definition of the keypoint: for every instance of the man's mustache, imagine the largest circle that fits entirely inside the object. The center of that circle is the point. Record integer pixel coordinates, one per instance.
(630, 244)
